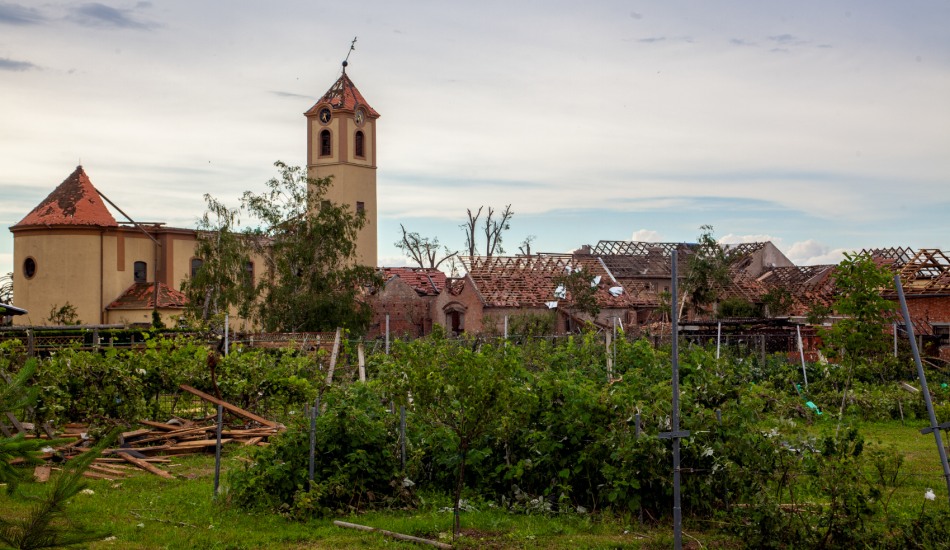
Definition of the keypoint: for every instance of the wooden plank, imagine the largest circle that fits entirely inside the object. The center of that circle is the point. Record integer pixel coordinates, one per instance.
(232, 408)
(197, 444)
(41, 473)
(159, 425)
(135, 433)
(116, 460)
(107, 471)
(253, 441)
(145, 466)
(333, 356)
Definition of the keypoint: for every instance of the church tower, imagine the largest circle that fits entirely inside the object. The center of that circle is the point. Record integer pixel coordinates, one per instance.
(341, 142)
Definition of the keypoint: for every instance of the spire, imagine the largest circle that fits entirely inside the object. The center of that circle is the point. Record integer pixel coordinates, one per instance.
(343, 96)
(73, 202)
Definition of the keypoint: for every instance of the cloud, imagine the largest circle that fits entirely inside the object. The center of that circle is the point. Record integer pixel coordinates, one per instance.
(95, 14)
(741, 42)
(393, 261)
(653, 39)
(291, 95)
(15, 14)
(759, 238)
(812, 252)
(646, 235)
(7, 64)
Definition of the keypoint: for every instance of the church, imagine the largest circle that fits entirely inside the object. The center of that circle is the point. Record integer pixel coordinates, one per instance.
(73, 258)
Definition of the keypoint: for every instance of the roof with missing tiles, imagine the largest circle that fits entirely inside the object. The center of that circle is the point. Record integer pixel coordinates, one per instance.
(426, 282)
(142, 296)
(344, 96)
(74, 202)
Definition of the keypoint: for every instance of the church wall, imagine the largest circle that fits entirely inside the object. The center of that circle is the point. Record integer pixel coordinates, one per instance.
(67, 270)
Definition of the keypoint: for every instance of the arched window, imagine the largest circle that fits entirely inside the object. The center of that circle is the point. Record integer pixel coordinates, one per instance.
(140, 272)
(359, 144)
(196, 264)
(325, 149)
(29, 268)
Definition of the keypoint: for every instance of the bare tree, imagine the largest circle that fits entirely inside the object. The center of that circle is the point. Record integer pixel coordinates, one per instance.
(494, 229)
(469, 229)
(6, 288)
(525, 246)
(423, 250)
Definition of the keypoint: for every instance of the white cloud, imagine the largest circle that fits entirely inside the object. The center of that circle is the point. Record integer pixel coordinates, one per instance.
(759, 238)
(646, 235)
(393, 261)
(6, 262)
(812, 252)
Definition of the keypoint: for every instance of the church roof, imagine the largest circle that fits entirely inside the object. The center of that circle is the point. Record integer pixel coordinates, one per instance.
(142, 296)
(343, 95)
(74, 202)
(426, 282)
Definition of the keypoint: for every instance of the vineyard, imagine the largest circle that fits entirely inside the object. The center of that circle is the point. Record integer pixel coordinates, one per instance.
(562, 430)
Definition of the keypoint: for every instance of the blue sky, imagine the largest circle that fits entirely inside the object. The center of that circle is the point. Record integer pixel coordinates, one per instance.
(822, 126)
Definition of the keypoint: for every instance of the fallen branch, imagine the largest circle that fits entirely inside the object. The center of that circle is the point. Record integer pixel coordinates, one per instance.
(399, 536)
(144, 465)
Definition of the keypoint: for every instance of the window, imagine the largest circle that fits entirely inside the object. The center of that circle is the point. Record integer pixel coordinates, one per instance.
(196, 264)
(360, 207)
(942, 332)
(249, 274)
(359, 144)
(325, 143)
(140, 272)
(29, 268)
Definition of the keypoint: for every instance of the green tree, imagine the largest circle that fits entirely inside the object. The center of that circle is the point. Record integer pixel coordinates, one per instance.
(578, 292)
(707, 272)
(312, 281)
(222, 279)
(858, 338)
(469, 390)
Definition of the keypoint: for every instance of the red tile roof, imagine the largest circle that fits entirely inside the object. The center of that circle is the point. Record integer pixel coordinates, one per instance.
(426, 282)
(344, 96)
(528, 281)
(74, 202)
(142, 296)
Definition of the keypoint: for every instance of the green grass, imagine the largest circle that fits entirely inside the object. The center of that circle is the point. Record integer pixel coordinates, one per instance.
(146, 512)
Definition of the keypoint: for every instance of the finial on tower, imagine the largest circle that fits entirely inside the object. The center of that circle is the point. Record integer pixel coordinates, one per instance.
(346, 61)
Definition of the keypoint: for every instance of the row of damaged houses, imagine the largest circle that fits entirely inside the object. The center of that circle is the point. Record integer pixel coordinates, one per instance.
(631, 282)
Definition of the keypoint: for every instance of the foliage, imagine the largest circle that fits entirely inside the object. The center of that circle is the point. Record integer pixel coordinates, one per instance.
(707, 271)
(63, 315)
(312, 281)
(355, 465)
(48, 524)
(736, 307)
(778, 301)
(423, 250)
(15, 396)
(579, 293)
(222, 280)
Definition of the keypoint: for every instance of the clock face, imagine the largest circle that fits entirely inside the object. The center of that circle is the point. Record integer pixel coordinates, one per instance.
(324, 115)
(359, 117)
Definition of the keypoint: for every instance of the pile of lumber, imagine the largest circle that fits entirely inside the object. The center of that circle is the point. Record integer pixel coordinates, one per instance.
(144, 448)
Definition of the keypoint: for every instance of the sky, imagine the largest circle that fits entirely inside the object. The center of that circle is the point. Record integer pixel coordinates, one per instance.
(821, 126)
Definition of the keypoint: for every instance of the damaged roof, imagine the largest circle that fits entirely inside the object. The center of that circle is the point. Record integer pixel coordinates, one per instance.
(343, 96)
(426, 282)
(74, 202)
(529, 281)
(142, 296)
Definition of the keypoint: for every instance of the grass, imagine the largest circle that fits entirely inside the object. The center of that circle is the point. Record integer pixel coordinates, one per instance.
(146, 512)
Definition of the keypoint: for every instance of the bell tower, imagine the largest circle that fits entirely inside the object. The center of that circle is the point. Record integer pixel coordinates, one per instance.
(341, 142)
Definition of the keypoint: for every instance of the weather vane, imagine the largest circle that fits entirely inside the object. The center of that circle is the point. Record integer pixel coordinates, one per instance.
(352, 47)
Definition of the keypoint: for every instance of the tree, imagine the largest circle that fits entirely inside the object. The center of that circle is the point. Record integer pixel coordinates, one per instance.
(707, 272)
(859, 338)
(493, 229)
(312, 281)
(63, 315)
(222, 278)
(525, 246)
(423, 250)
(577, 289)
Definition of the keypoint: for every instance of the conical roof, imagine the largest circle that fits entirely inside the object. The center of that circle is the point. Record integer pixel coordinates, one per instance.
(344, 96)
(74, 202)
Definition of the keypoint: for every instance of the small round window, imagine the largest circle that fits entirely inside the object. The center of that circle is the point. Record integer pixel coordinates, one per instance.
(29, 268)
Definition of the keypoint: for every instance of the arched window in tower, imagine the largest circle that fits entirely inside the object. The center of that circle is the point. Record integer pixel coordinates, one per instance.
(359, 144)
(325, 149)
(140, 272)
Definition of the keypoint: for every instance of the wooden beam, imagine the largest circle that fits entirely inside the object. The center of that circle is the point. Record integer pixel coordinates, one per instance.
(232, 408)
(145, 465)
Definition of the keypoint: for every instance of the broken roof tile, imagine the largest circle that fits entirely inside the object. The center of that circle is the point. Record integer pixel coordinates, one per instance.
(343, 96)
(73, 202)
(142, 296)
